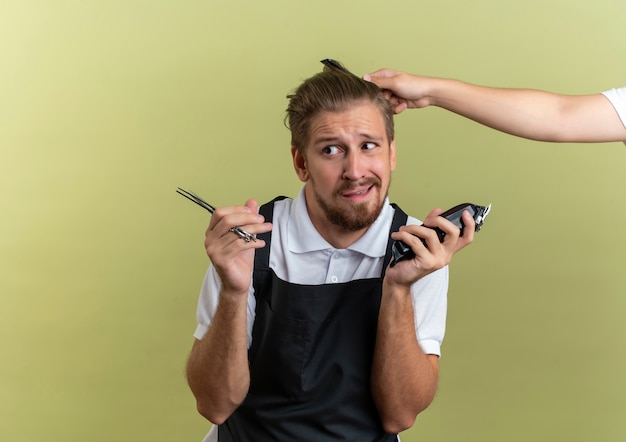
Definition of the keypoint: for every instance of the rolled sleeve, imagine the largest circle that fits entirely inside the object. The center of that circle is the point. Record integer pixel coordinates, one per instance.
(430, 304)
(617, 97)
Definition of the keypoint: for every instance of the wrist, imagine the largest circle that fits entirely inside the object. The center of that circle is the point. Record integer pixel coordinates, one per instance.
(233, 297)
(442, 92)
(396, 289)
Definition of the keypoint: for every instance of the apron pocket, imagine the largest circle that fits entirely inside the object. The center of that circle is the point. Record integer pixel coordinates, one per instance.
(277, 359)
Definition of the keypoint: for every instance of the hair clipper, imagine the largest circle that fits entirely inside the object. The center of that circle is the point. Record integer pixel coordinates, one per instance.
(400, 251)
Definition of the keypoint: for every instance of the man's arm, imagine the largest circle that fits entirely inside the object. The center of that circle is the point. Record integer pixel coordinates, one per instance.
(404, 378)
(217, 368)
(527, 113)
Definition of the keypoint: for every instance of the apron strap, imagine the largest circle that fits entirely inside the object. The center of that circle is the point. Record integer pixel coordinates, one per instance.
(399, 219)
(262, 256)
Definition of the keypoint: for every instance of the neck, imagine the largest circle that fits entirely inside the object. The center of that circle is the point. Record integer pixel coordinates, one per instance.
(336, 237)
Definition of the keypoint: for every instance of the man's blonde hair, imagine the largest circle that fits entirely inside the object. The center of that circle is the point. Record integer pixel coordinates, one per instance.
(333, 90)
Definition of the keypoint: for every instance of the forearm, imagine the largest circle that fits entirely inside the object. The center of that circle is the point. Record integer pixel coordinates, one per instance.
(217, 369)
(529, 113)
(404, 379)
(522, 112)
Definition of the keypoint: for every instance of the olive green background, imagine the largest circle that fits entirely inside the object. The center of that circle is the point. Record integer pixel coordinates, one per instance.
(107, 107)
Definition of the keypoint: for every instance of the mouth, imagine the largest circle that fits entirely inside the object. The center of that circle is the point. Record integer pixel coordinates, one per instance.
(357, 194)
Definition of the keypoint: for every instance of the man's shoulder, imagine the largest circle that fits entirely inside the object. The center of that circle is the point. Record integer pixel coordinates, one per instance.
(279, 200)
(276, 206)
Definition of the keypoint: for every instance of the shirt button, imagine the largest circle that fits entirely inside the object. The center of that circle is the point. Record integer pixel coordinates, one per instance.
(334, 279)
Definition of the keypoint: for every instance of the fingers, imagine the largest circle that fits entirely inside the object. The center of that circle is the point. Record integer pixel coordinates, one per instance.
(386, 80)
(403, 90)
(421, 239)
(226, 217)
(401, 106)
(219, 235)
(438, 235)
(430, 255)
(453, 239)
(232, 253)
(468, 231)
(383, 78)
(398, 104)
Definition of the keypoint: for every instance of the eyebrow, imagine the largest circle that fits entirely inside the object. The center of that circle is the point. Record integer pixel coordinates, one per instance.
(332, 138)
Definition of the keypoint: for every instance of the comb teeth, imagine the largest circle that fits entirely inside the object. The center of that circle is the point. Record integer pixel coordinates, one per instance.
(335, 65)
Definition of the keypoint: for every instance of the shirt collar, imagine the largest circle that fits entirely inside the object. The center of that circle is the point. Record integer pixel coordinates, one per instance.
(303, 236)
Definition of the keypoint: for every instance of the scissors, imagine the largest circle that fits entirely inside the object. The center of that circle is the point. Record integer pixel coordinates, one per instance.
(247, 237)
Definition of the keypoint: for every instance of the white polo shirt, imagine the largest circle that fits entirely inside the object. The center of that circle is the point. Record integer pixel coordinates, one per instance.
(617, 97)
(300, 255)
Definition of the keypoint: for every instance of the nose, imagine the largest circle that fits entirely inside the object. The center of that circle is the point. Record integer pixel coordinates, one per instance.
(353, 167)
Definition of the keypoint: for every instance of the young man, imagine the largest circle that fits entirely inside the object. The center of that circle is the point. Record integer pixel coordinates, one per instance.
(307, 333)
(528, 113)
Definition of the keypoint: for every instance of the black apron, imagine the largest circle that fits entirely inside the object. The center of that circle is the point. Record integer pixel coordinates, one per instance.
(311, 358)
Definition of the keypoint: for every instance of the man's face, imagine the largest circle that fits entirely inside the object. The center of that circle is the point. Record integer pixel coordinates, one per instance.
(346, 164)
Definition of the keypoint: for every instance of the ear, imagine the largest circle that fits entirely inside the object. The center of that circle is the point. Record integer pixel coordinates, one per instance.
(299, 164)
(392, 155)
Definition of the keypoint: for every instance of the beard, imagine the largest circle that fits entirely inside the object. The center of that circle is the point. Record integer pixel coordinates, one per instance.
(352, 217)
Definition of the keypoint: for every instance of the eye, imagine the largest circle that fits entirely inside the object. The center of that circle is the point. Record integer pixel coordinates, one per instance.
(369, 145)
(330, 150)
